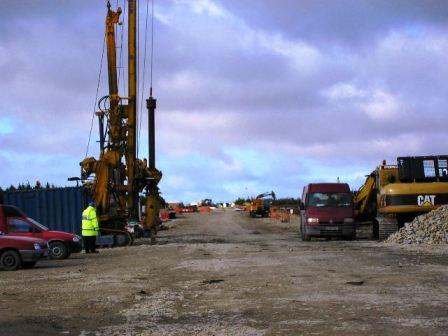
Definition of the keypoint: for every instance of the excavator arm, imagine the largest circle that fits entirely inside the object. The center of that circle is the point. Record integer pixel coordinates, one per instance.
(364, 195)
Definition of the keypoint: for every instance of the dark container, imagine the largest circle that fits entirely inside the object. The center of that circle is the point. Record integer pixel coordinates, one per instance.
(59, 208)
(423, 168)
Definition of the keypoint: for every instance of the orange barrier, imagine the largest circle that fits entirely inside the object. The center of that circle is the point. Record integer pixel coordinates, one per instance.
(204, 209)
(285, 217)
(273, 213)
(281, 214)
(164, 215)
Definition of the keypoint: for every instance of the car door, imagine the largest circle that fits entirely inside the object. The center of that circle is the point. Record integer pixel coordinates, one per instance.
(18, 226)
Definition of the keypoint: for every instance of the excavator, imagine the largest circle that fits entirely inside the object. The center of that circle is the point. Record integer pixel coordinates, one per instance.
(117, 178)
(261, 204)
(393, 195)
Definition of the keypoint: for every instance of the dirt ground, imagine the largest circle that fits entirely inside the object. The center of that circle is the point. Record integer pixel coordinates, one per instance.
(227, 274)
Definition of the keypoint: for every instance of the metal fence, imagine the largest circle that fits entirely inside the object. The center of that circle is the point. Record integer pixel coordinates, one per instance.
(59, 209)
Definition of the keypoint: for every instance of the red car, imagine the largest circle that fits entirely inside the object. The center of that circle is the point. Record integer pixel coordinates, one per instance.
(22, 252)
(13, 222)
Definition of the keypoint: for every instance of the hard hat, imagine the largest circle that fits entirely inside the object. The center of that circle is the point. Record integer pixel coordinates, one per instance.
(92, 204)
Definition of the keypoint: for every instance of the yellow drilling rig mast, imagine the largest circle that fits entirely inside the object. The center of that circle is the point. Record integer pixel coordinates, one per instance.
(117, 177)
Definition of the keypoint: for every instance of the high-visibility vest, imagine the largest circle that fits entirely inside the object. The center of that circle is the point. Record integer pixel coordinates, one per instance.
(90, 225)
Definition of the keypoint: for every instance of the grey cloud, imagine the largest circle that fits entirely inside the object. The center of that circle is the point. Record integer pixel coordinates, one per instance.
(352, 23)
(219, 68)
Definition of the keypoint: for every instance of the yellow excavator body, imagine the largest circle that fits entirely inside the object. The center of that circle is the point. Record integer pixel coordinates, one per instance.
(395, 194)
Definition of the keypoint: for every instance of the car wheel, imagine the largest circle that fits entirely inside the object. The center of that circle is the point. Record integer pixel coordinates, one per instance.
(10, 260)
(28, 264)
(58, 250)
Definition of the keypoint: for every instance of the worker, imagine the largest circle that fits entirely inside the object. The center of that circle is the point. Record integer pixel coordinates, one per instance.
(90, 228)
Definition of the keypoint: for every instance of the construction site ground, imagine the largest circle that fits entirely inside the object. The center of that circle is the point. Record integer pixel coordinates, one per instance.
(224, 273)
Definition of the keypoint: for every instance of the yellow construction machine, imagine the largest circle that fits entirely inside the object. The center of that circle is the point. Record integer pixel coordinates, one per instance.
(395, 194)
(261, 204)
(117, 177)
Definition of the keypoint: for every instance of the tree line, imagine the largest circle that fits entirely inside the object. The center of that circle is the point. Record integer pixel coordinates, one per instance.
(25, 186)
(287, 201)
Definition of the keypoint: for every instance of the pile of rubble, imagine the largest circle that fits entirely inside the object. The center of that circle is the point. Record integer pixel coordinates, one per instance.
(430, 228)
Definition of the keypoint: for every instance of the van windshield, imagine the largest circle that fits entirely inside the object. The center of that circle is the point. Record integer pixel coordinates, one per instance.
(325, 199)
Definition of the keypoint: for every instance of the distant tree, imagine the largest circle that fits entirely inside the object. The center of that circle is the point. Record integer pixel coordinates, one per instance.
(2, 200)
(240, 201)
(47, 186)
(11, 188)
(38, 185)
(163, 203)
(287, 202)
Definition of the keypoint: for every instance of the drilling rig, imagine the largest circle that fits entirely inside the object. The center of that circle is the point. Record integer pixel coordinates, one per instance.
(117, 178)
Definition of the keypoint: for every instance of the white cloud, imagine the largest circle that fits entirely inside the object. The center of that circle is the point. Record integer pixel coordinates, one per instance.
(344, 90)
(208, 7)
(382, 106)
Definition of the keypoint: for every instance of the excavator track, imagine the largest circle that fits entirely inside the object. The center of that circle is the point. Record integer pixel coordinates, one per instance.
(385, 227)
(121, 237)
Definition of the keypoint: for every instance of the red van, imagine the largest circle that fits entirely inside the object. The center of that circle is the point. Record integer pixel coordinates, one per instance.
(327, 211)
(13, 222)
(22, 252)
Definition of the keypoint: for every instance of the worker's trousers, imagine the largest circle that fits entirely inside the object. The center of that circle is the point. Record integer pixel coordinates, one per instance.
(89, 243)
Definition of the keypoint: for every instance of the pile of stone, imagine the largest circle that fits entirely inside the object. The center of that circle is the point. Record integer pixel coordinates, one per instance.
(430, 228)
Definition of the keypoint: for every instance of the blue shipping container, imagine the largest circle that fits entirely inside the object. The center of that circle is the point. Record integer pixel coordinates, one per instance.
(59, 209)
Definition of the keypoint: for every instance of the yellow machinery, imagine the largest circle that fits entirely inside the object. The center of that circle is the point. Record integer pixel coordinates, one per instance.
(261, 204)
(395, 194)
(118, 175)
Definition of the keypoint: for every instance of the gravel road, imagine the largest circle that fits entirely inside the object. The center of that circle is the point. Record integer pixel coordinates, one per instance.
(227, 274)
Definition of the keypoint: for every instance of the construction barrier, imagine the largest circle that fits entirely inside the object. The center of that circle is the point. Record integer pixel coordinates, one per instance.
(204, 209)
(281, 214)
(164, 215)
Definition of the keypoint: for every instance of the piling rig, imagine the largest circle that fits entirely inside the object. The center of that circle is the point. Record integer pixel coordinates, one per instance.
(117, 177)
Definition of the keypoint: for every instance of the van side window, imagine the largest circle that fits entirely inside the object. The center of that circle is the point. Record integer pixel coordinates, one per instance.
(19, 225)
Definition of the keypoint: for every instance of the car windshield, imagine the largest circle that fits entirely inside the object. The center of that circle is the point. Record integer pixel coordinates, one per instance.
(43, 227)
(330, 199)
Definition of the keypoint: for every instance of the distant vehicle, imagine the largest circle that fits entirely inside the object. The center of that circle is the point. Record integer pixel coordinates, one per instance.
(327, 211)
(13, 222)
(16, 252)
(261, 205)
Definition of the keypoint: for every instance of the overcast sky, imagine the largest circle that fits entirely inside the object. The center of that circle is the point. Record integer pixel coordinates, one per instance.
(252, 96)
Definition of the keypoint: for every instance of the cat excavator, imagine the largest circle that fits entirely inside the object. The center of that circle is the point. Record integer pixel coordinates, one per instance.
(395, 194)
(117, 178)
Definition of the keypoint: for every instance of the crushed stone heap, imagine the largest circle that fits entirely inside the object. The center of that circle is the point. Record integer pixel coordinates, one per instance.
(430, 228)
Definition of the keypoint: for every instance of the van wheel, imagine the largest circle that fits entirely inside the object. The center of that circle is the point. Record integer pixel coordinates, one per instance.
(304, 236)
(58, 250)
(28, 264)
(10, 260)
